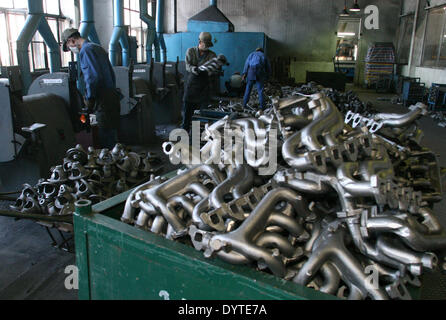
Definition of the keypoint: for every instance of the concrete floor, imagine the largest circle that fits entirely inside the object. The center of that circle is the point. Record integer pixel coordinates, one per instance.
(31, 268)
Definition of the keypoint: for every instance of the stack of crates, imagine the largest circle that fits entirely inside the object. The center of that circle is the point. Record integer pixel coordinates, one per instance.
(379, 67)
(413, 91)
(437, 97)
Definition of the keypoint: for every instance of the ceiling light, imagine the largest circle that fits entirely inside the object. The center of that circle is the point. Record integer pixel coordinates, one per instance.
(355, 7)
(346, 34)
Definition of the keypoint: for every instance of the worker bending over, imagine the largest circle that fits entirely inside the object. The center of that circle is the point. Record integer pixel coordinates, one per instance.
(235, 86)
(257, 70)
(197, 90)
(101, 96)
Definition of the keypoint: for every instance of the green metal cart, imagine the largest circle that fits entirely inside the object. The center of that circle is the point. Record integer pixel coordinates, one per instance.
(119, 261)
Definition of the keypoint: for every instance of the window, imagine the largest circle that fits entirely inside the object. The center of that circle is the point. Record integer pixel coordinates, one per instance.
(137, 27)
(434, 51)
(51, 7)
(404, 36)
(13, 13)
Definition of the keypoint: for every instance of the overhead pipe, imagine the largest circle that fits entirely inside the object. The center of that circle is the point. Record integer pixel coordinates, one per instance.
(160, 30)
(151, 32)
(213, 2)
(36, 22)
(412, 38)
(156, 44)
(87, 28)
(119, 36)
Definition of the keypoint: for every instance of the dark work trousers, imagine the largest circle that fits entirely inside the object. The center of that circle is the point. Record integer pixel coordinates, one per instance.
(107, 138)
(108, 109)
(249, 85)
(188, 112)
(234, 92)
(196, 96)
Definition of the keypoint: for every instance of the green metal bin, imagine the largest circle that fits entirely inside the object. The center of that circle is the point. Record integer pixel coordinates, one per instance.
(119, 261)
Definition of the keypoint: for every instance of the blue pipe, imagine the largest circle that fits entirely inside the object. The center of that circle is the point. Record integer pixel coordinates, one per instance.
(23, 41)
(35, 22)
(87, 28)
(156, 44)
(151, 32)
(35, 7)
(213, 2)
(160, 28)
(53, 45)
(119, 35)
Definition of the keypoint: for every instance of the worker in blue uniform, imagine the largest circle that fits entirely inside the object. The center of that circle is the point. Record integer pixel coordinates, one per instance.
(101, 96)
(257, 71)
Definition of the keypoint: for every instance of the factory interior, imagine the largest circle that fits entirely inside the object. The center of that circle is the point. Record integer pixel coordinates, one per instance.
(222, 150)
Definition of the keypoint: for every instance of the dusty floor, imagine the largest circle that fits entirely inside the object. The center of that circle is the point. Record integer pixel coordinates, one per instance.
(30, 268)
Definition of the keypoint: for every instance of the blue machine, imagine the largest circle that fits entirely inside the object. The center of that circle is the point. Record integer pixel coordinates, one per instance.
(236, 46)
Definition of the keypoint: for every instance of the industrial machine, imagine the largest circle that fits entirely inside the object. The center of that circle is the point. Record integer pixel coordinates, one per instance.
(164, 81)
(10, 141)
(345, 60)
(42, 117)
(137, 120)
(347, 40)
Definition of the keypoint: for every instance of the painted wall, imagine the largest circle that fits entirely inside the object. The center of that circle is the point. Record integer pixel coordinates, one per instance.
(427, 75)
(303, 30)
(235, 47)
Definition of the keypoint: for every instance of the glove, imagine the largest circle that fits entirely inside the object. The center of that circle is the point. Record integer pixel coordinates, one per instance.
(89, 104)
(194, 70)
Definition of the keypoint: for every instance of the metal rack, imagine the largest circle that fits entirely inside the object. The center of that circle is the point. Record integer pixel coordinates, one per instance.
(413, 91)
(437, 97)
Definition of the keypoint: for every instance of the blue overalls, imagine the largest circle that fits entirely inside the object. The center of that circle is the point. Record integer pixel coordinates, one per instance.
(256, 74)
(100, 85)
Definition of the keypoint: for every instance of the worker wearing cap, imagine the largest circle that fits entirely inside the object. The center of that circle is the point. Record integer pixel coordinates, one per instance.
(197, 90)
(235, 85)
(101, 96)
(257, 70)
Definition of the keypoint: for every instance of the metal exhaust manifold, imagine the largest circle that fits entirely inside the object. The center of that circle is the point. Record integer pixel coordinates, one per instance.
(94, 175)
(342, 200)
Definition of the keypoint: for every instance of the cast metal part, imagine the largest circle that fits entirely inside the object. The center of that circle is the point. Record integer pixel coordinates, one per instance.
(348, 210)
(95, 175)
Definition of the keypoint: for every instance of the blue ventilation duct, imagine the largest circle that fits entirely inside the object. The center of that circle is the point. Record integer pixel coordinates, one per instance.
(151, 32)
(36, 22)
(87, 28)
(160, 30)
(213, 2)
(119, 36)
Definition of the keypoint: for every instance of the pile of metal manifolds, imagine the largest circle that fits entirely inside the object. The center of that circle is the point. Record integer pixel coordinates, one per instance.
(344, 101)
(96, 174)
(345, 211)
(439, 117)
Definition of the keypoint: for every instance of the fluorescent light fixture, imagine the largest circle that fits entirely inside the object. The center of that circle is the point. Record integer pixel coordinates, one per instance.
(346, 34)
